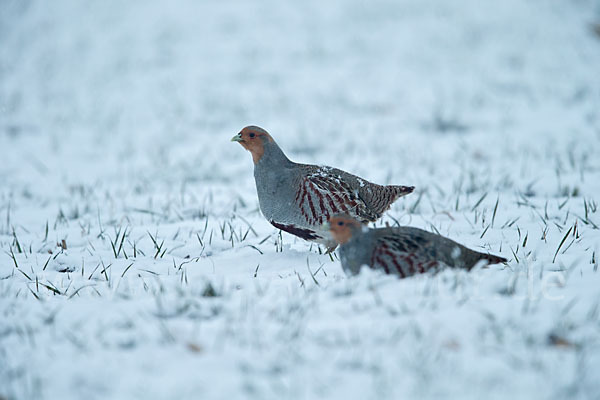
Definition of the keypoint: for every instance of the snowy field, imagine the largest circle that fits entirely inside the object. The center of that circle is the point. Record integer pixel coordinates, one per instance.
(135, 264)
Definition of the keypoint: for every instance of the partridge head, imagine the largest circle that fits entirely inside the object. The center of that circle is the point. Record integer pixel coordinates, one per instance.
(254, 139)
(343, 227)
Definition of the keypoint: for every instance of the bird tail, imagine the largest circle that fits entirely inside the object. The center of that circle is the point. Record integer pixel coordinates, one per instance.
(492, 259)
(400, 191)
(468, 258)
(384, 198)
(473, 258)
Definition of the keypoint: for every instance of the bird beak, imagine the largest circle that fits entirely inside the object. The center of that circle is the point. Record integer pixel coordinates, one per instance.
(237, 138)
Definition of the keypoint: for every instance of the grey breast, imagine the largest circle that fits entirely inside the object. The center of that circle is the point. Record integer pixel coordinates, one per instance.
(275, 189)
(356, 253)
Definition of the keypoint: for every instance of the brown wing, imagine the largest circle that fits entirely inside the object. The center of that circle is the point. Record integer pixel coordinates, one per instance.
(321, 195)
(403, 255)
(407, 251)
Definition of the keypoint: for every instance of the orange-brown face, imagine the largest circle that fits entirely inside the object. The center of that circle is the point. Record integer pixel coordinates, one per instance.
(253, 139)
(342, 227)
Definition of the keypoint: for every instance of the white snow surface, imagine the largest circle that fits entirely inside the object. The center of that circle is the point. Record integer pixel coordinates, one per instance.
(115, 120)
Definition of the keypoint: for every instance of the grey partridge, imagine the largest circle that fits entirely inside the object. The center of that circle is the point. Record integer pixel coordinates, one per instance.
(299, 198)
(403, 251)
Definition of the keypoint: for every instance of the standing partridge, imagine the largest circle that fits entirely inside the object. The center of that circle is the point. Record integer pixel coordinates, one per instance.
(403, 251)
(299, 198)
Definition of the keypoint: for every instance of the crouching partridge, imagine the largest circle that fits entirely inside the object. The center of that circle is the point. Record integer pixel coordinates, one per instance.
(402, 251)
(300, 198)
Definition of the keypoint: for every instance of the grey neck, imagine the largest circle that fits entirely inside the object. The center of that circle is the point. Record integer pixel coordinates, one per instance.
(273, 156)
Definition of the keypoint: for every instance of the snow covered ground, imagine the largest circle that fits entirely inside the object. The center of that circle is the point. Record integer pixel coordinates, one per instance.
(135, 264)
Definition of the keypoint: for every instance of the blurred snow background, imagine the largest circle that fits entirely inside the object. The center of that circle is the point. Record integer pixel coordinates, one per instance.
(115, 120)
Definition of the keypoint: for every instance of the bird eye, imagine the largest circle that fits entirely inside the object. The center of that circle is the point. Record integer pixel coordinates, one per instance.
(340, 223)
(252, 134)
